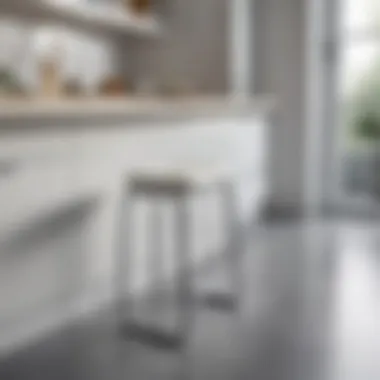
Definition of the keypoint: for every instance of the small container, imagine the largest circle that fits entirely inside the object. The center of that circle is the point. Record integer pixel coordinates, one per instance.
(113, 86)
(140, 7)
(50, 78)
(49, 57)
(73, 88)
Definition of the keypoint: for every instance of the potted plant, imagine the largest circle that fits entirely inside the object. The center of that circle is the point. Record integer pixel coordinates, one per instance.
(9, 84)
(362, 115)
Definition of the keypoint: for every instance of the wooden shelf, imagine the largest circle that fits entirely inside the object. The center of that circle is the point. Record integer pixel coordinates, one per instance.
(91, 18)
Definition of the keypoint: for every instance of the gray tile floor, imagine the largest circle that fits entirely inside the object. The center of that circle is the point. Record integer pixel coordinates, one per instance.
(311, 310)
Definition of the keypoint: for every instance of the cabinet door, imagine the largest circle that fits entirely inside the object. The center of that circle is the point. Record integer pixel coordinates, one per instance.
(39, 230)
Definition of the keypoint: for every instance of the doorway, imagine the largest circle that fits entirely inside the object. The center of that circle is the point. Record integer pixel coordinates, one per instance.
(352, 102)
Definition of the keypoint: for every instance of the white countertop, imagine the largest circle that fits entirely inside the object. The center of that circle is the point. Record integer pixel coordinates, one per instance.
(27, 110)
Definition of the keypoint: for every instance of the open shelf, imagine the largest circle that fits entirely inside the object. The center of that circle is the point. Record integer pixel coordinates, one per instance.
(94, 18)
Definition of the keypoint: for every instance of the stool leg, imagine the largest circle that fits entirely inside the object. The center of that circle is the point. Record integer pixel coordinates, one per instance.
(155, 264)
(123, 263)
(236, 242)
(229, 300)
(148, 333)
(185, 297)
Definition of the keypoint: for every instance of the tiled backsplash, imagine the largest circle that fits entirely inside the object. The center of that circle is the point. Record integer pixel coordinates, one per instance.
(84, 58)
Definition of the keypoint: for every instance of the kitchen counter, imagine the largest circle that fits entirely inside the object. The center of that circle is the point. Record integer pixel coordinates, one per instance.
(63, 170)
(83, 147)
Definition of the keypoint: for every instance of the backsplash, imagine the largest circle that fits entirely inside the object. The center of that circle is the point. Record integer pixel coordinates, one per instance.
(83, 57)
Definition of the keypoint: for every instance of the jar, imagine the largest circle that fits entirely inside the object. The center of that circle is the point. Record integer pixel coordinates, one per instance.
(140, 6)
(49, 57)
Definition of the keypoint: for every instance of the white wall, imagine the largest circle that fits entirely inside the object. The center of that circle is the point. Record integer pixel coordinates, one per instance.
(317, 140)
(241, 47)
(282, 71)
(193, 48)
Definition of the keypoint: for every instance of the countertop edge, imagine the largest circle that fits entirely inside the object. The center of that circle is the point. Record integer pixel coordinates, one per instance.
(28, 113)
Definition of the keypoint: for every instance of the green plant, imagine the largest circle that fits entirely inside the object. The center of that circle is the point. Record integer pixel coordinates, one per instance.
(363, 107)
(9, 83)
(368, 127)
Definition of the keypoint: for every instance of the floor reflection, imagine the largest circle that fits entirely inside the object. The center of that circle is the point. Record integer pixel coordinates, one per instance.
(311, 311)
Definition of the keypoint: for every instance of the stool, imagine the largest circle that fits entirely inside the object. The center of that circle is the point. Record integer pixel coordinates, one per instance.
(177, 185)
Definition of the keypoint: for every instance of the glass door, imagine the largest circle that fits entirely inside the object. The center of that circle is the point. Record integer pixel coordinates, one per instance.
(357, 92)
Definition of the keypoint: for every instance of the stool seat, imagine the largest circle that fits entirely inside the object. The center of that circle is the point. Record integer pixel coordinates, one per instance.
(177, 180)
